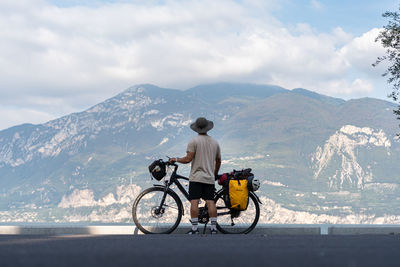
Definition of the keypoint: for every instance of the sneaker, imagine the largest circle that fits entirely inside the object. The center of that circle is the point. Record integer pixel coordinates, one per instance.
(193, 232)
(214, 232)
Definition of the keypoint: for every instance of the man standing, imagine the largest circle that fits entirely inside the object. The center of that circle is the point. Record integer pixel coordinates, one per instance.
(205, 155)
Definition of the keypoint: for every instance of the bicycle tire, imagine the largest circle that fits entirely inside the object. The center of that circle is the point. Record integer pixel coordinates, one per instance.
(157, 223)
(241, 226)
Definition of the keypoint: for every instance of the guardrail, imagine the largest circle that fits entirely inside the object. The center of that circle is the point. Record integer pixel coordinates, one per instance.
(270, 229)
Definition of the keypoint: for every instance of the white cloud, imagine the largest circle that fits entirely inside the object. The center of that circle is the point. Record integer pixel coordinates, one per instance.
(80, 55)
(345, 87)
(362, 51)
(317, 5)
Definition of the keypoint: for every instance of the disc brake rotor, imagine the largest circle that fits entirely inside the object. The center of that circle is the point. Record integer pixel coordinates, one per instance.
(157, 212)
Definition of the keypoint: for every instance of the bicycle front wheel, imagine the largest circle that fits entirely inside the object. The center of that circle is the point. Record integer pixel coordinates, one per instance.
(237, 222)
(153, 218)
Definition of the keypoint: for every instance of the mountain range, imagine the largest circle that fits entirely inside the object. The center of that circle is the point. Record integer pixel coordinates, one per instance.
(320, 159)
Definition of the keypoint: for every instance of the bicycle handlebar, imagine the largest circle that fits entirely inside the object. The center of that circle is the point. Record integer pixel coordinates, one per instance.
(171, 164)
(167, 162)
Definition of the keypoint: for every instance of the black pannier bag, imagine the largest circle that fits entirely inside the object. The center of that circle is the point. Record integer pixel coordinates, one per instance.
(249, 176)
(252, 183)
(242, 174)
(158, 169)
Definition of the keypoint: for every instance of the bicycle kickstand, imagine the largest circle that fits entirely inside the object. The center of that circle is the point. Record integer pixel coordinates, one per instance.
(204, 229)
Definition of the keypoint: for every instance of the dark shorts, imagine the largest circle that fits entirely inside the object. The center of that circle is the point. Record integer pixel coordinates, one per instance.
(200, 190)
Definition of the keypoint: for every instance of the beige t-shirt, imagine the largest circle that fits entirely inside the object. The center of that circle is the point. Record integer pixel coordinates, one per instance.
(206, 151)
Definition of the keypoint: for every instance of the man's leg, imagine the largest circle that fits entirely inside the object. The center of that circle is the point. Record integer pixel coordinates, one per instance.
(212, 208)
(212, 211)
(194, 213)
(208, 195)
(194, 196)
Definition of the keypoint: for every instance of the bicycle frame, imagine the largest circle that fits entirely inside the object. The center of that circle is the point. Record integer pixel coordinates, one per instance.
(161, 205)
(174, 179)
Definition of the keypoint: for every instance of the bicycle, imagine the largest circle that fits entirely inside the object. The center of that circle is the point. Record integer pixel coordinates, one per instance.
(159, 209)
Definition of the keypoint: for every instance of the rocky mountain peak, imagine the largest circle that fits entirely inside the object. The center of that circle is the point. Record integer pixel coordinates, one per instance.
(338, 156)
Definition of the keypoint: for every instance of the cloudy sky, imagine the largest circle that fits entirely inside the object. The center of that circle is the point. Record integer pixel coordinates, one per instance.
(63, 56)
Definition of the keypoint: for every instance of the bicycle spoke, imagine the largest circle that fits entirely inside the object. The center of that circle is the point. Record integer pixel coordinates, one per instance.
(232, 221)
(150, 217)
(170, 206)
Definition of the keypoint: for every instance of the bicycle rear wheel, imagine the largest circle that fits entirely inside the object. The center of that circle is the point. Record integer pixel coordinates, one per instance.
(153, 218)
(237, 222)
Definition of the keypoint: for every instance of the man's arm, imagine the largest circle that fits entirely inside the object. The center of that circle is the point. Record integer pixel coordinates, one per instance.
(187, 159)
(217, 166)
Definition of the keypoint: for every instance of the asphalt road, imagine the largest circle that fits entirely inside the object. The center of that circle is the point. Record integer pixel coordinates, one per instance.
(190, 251)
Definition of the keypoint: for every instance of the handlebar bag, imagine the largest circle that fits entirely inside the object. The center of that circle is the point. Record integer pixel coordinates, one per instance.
(158, 169)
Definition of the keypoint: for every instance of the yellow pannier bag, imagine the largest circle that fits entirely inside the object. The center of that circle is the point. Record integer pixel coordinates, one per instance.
(238, 194)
